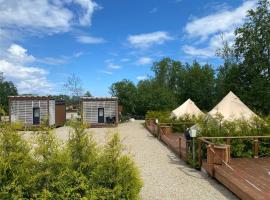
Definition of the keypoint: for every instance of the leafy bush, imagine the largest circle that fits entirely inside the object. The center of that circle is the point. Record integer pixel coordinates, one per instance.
(218, 127)
(162, 116)
(79, 169)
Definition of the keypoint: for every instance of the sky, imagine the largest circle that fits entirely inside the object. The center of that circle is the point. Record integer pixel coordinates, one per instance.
(43, 42)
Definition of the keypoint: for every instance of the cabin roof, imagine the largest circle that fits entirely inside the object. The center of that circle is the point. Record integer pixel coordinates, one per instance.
(99, 98)
(30, 98)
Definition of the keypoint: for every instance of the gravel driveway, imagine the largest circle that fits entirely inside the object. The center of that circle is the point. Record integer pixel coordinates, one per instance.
(164, 175)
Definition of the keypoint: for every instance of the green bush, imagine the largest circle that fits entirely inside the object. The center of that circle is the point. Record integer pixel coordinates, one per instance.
(218, 127)
(162, 116)
(178, 125)
(79, 169)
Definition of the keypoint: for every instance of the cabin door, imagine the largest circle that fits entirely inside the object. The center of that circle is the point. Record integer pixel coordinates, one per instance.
(101, 115)
(36, 116)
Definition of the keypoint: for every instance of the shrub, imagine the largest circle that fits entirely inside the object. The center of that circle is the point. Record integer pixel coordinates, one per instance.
(218, 127)
(162, 116)
(79, 169)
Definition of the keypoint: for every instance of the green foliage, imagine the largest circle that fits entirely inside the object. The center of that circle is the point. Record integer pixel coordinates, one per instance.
(79, 169)
(87, 94)
(162, 116)
(178, 125)
(172, 84)
(115, 172)
(126, 92)
(7, 88)
(15, 164)
(152, 96)
(246, 70)
(218, 127)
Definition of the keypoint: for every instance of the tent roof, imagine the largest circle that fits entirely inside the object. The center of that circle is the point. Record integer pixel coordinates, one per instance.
(187, 108)
(232, 108)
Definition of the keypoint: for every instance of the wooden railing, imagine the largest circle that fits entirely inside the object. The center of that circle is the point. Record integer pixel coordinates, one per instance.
(209, 141)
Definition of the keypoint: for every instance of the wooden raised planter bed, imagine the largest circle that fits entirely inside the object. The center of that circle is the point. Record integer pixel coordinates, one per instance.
(217, 155)
(152, 126)
(165, 130)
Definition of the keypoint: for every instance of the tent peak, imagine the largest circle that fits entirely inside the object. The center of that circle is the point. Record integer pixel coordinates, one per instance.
(187, 108)
(232, 108)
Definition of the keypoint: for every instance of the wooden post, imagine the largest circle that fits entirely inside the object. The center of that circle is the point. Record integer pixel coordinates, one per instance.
(228, 141)
(210, 160)
(180, 139)
(158, 131)
(200, 151)
(187, 146)
(256, 148)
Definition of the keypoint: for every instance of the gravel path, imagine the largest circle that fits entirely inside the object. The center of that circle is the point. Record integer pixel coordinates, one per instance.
(164, 175)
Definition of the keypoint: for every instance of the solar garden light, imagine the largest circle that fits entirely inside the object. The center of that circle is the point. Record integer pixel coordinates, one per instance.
(156, 121)
(193, 134)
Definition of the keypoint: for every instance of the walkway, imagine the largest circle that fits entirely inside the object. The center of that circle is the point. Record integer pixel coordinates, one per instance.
(165, 176)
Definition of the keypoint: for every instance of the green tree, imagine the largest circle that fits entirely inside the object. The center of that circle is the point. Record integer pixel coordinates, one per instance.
(199, 85)
(16, 164)
(168, 73)
(152, 96)
(87, 94)
(7, 88)
(126, 92)
(252, 48)
(116, 177)
(246, 69)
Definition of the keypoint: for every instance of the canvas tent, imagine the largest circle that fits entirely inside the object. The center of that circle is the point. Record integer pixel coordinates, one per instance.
(232, 108)
(187, 108)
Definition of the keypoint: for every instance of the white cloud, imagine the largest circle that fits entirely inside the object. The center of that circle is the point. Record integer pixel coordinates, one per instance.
(90, 40)
(215, 28)
(27, 79)
(59, 60)
(111, 65)
(219, 22)
(19, 54)
(89, 7)
(148, 39)
(203, 52)
(106, 72)
(45, 16)
(22, 18)
(145, 60)
(140, 78)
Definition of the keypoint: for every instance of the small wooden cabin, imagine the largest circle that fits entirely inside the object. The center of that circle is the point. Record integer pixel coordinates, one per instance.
(99, 112)
(33, 110)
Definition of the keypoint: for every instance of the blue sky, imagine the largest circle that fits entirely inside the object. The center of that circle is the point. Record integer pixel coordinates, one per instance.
(103, 41)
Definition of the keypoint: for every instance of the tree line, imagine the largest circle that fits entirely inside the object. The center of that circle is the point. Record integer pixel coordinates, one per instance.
(245, 71)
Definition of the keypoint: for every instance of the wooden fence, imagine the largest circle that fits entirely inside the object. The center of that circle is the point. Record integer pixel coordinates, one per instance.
(227, 140)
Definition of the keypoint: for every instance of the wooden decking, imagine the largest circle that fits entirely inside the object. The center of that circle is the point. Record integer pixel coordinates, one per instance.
(248, 178)
(172, 141)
